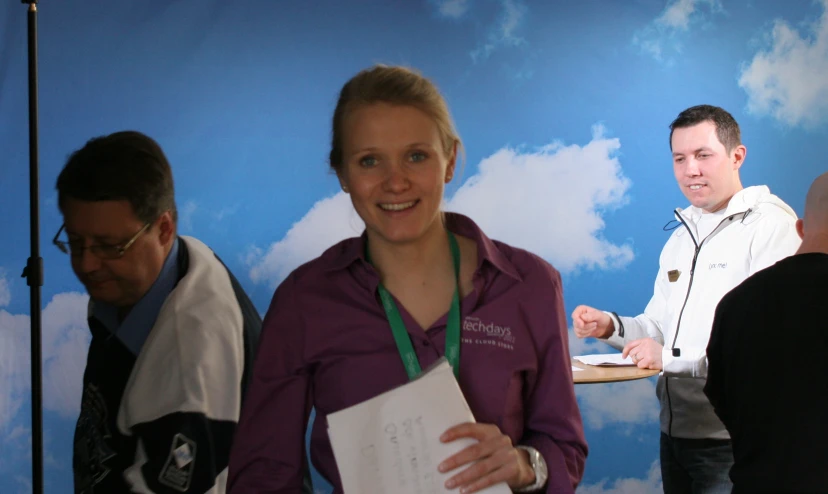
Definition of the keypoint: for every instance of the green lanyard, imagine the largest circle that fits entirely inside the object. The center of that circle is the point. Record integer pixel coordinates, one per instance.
(409, 358)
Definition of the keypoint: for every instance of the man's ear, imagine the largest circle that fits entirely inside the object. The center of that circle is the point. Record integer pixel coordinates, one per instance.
(166, 228)
(739, 154)
(800, 228)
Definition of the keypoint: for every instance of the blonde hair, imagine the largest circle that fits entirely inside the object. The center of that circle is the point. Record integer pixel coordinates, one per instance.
(393, 85)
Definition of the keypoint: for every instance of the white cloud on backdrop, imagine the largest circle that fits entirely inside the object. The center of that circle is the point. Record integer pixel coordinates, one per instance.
(226, 212)
(14, 330)
(549, 201)
(452, 9)
(5, 294)
(677, 14)
(329, 220)
(25, 484)
(662, 38)
(651, 484)
(190, 210)
(64, 342)
(504, 33)
(789, 80)
(624, 403)
(185, 216)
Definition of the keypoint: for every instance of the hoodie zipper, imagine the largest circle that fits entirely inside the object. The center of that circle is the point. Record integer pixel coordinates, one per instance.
(687, 295)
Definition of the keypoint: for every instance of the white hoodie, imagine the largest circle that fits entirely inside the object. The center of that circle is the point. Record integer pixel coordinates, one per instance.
(757, 230)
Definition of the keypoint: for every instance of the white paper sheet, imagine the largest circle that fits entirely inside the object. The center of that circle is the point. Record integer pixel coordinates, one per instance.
(605, 359)
(391, 443)
(576, 369)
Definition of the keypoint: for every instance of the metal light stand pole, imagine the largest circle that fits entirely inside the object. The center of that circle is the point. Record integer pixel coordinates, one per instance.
(33, 272)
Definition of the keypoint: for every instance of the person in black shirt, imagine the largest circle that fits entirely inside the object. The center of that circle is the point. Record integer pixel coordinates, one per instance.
(766, 365)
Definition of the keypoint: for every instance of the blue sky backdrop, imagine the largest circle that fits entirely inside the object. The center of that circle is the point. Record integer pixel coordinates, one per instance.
(563, 108)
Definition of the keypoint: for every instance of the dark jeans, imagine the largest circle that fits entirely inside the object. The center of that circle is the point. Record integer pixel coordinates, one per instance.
(696, 466)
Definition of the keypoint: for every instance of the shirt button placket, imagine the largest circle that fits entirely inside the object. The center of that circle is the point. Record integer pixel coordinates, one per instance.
(429, 346)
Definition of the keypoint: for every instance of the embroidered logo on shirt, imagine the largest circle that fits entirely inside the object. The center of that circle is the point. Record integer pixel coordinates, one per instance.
(476, 325)
(178, 468)
(717, 265)
(673, 275)
(500, 336)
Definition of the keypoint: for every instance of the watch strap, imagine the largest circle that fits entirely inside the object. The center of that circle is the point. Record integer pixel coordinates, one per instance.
(538, 464)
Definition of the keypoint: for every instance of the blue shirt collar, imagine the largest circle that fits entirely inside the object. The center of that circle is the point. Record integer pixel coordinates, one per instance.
(135, 328)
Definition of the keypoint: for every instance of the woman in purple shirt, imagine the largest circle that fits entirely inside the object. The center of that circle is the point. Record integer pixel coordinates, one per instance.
(496, 312)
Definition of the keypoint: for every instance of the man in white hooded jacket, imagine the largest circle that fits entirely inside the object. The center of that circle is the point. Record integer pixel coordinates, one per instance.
(728, 233)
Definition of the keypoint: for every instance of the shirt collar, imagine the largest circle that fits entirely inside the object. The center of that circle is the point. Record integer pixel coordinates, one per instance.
(737, 204)
(135, 328)
(344, 254)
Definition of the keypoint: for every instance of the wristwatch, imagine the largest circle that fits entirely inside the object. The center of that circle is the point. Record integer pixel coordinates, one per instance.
(538, 464)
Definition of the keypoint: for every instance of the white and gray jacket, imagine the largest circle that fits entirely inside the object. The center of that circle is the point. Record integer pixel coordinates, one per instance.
(757, 230)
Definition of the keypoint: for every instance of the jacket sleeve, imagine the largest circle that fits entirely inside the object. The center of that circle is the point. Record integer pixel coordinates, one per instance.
(553, 420)
(268, 453)
(646, 325)
(773, 242)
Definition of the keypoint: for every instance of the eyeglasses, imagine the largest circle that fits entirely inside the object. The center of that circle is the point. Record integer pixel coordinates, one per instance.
(101, 251)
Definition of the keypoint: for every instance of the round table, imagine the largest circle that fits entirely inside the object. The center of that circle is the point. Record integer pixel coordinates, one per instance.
(609, 373)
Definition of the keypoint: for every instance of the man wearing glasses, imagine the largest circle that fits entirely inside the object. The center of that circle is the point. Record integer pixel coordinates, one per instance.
(173, 333)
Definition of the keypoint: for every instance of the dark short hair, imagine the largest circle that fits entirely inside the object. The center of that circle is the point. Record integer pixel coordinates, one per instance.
(126, 165)
(727, 130)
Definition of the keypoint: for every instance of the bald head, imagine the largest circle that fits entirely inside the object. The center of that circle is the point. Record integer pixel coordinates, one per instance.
(814, 226)
(816, 205)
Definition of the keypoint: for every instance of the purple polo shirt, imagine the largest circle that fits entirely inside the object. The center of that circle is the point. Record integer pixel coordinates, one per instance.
(326, 343)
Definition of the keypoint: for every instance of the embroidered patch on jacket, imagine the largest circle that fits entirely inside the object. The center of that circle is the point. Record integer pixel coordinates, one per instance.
(673, 275)
(178, 469)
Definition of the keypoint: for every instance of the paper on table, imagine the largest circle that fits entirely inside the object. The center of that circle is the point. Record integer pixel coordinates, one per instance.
(575, 369)
(391, 443)
(605, 359)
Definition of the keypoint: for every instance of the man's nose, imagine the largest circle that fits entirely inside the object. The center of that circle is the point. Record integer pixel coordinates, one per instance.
(86, 261)
(692, 168)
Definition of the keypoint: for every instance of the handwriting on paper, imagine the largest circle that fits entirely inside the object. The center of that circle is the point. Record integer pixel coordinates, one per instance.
(407, 448)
